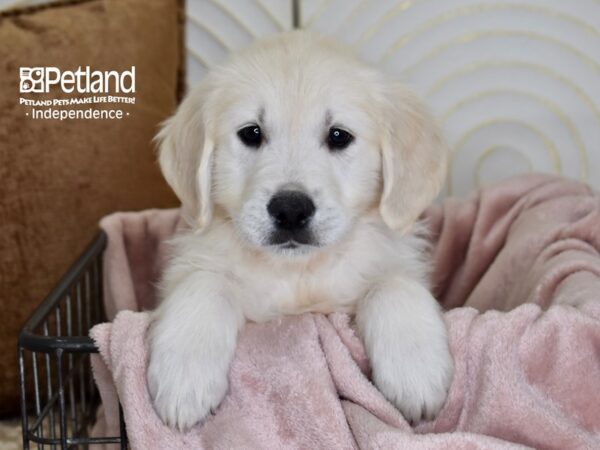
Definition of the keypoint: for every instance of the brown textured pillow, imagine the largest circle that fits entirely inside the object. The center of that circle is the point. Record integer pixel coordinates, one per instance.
(57, 178)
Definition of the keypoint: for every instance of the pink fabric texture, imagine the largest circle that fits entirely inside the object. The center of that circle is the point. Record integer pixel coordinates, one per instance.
(517, 265)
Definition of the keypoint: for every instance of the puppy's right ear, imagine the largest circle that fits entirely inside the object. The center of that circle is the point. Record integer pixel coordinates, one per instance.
(185, 157)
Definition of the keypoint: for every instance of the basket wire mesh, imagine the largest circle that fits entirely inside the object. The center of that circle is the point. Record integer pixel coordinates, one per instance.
(59, 398)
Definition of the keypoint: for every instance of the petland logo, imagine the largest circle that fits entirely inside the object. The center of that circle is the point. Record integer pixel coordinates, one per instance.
(83, 80)
(89, 93)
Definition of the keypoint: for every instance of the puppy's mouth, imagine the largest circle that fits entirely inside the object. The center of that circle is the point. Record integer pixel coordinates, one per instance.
(292, 240)
(289, 245)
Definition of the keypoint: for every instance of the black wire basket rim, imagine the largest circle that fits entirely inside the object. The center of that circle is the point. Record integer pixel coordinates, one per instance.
(33, 341)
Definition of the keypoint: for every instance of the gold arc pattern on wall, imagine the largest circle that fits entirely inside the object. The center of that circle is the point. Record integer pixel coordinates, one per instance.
(469, 37)
(518, 64)
(464, 11)
(548, 104)
(548, 144)
(489, 151)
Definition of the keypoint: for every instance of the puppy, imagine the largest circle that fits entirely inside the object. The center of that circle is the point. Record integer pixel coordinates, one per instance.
(301, 173)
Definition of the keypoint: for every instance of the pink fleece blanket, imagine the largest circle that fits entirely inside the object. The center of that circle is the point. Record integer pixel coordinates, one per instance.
(517, 266)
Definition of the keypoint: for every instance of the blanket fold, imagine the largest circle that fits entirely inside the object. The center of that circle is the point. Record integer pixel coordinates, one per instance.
(517, 266)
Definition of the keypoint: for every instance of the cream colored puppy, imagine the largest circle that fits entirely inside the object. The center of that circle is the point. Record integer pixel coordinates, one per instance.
(302, 173)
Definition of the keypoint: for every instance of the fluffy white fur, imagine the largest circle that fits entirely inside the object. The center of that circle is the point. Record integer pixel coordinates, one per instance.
(367, 259)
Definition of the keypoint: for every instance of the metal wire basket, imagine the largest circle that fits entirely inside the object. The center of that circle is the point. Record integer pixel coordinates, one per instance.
(59, 398)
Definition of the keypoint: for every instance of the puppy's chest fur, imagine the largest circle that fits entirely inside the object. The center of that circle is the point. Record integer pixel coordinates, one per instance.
(265, 286)
(295, 290)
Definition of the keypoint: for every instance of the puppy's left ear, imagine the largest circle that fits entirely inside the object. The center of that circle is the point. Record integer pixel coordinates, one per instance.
(414, 158)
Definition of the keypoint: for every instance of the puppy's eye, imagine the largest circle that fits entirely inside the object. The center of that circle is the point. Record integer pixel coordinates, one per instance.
(251, 136)
(338, 139)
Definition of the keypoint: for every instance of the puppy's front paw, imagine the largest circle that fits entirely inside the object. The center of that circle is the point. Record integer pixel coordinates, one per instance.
(184, 392)
(416, 384)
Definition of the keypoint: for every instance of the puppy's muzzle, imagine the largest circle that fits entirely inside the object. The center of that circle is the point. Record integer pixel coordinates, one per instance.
(291, 212)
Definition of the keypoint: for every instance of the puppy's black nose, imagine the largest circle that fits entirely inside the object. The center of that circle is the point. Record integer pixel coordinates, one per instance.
(291, 210)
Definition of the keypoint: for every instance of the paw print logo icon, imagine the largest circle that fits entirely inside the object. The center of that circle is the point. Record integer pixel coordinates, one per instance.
(32, 79)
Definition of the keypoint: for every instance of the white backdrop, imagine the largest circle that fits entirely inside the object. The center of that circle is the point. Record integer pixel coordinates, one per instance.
(515, 83)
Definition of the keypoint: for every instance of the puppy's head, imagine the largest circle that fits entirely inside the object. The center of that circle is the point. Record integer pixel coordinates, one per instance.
(294, 140)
